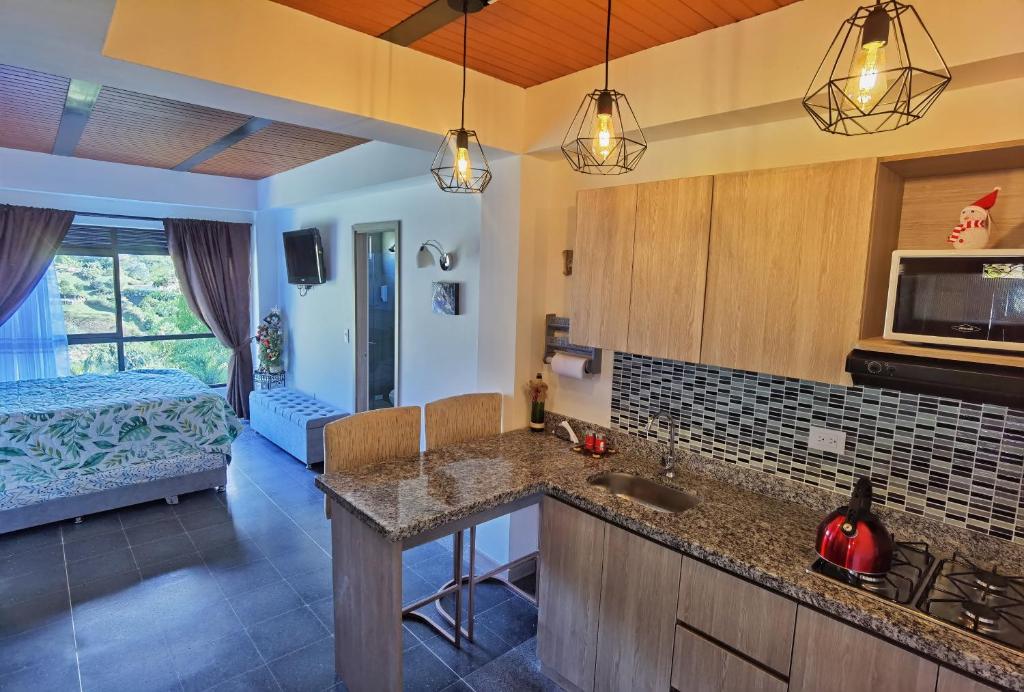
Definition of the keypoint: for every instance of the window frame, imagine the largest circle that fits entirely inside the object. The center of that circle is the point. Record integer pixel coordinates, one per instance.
(117, 337)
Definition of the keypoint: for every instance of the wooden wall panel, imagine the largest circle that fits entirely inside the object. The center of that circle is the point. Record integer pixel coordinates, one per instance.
(127, 127)
(931, 208)
(31, 104)
(276, 148)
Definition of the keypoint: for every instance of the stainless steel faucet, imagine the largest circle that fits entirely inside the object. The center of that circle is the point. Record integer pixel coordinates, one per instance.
(668, 460)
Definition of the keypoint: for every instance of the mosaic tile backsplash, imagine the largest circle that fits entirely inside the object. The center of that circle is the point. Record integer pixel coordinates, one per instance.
(956, 461)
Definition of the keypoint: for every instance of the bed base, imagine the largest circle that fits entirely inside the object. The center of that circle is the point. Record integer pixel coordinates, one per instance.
(80, 506)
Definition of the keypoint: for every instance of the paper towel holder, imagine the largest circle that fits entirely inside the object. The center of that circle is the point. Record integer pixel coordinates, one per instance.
(556, 340)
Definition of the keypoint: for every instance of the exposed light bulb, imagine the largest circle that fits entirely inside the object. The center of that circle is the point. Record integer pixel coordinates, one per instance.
(603, 130)
(463, 166)
(868, 81)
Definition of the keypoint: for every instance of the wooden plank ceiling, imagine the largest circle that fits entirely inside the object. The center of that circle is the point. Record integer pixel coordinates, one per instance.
(529, 42)
(129, 127)
(278, 147)
(30, 107)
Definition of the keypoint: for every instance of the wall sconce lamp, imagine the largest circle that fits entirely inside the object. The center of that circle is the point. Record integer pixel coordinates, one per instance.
(424, 258)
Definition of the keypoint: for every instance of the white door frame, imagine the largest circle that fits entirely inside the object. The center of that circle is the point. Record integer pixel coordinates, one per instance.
(360, 231)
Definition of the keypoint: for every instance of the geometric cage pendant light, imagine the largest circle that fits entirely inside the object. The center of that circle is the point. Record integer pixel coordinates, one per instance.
(881, 72)
(604, 137)
(460, 165)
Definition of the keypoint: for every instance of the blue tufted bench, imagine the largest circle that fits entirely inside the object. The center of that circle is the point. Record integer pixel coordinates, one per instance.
(293, 421)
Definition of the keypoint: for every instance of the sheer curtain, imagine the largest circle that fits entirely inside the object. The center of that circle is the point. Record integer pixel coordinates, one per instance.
(33, 342)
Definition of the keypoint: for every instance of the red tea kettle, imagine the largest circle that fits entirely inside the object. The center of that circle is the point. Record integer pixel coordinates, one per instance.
(855, 539)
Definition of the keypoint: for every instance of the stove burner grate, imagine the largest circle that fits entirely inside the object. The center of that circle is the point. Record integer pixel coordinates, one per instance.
(981, 617)
(992, 582)
(979, 600)
(909, 564)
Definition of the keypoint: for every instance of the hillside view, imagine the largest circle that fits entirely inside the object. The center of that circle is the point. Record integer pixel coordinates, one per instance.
(151, 304)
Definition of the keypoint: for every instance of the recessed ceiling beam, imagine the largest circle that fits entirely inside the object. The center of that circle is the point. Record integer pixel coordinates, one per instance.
(251, 127)
(428, 20)
(78, 106)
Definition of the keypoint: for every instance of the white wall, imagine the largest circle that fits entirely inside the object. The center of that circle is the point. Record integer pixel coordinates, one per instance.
(61, 182)
(438, 354)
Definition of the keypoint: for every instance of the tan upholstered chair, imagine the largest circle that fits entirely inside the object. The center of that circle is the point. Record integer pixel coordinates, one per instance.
(369, 438)
(462, 418)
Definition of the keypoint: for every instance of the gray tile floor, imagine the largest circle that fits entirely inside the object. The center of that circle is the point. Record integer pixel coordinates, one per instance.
(224, 591)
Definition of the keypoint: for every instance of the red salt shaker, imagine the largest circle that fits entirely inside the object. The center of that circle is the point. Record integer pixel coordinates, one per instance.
(589, 441)
(600, 445)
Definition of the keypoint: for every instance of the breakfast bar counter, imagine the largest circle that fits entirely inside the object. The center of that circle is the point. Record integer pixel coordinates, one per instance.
(379, 511)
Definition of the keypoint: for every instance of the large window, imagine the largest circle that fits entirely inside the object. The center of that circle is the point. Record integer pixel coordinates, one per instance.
(124, 310)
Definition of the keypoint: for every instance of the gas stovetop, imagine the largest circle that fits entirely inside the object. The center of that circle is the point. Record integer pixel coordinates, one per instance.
(977, 599)
(911, 563)
(968, 597)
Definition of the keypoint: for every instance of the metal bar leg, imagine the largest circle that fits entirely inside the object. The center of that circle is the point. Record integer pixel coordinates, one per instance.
(457, 576)
(472, 581)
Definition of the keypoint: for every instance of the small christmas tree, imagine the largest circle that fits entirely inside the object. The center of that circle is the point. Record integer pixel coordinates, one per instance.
(270, 339)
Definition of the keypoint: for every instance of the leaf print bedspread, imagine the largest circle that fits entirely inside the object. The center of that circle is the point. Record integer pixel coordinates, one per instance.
(71, 427)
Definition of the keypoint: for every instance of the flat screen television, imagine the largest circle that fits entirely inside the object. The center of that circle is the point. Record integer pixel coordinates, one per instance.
(304, 255)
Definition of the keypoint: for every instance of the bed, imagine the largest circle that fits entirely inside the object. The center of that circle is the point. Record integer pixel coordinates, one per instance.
(72, 446)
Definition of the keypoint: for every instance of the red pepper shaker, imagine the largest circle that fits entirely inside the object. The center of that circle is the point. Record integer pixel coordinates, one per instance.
(589, 441)
(600, 445)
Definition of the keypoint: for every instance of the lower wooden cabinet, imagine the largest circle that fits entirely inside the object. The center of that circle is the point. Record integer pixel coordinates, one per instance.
(607, 604)
(569, 592)
(637, 621)
(951, 681)
(702, 666)
(608, 607)
(754, 621)
(829, 656)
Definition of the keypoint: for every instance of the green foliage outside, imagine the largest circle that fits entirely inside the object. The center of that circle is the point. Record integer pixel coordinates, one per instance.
(151, 304)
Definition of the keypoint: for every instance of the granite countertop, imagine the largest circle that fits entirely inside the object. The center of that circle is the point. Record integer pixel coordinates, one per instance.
(767, 540)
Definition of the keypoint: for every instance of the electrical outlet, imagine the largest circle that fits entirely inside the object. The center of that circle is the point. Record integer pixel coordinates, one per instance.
(827, 440)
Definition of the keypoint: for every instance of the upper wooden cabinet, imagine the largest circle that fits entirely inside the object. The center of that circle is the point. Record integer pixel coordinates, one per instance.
(602, 267)
(670, 257)
(786, 268)
(639, 267)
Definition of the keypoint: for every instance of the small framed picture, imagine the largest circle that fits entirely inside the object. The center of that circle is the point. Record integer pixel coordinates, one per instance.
(446, 298)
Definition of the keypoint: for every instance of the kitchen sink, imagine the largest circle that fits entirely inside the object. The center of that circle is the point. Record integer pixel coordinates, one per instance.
(657, 496)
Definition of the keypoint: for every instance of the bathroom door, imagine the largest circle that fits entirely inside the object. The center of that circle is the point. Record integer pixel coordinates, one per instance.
(377, 272)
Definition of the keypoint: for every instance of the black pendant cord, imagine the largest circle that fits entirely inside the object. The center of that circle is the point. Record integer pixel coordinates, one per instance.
(465, 43)
(607, 43)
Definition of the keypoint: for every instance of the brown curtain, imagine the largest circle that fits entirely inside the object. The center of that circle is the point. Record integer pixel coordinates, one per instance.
(29, 239)
(211, 259)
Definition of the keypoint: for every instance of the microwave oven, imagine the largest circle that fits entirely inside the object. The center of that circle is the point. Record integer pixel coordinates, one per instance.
(971, 299)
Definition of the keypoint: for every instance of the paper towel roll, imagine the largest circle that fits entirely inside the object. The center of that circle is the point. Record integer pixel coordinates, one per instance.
(569, 365)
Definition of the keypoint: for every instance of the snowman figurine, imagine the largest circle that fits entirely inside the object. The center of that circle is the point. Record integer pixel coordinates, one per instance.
(975, 227)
